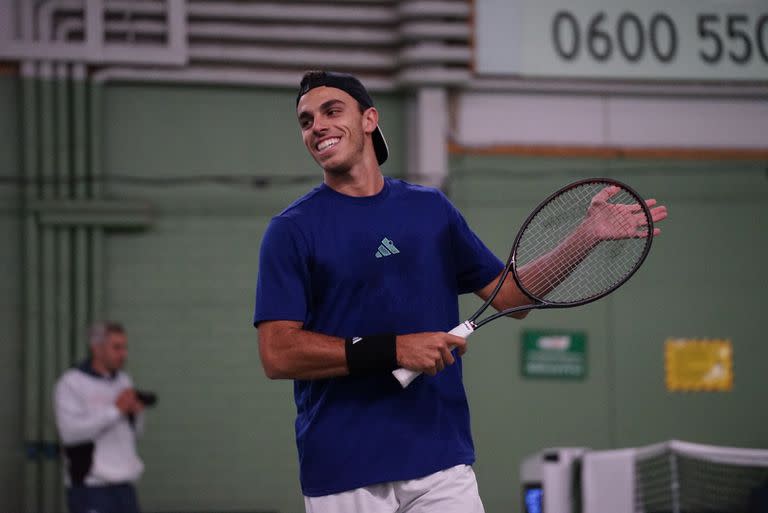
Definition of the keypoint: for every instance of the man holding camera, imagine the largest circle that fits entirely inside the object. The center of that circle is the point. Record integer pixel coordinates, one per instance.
(98, 415)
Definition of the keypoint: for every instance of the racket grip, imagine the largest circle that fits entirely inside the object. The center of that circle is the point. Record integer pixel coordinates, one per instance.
(406, 376)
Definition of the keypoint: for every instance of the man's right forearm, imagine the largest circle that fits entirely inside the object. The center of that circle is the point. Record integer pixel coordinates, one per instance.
(74, 428)
(76, 424)
(290, 352)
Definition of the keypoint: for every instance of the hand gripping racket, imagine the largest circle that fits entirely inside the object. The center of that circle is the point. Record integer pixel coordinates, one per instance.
(580, 244)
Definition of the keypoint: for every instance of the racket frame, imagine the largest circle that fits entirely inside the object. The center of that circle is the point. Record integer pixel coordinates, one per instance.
(539, 303)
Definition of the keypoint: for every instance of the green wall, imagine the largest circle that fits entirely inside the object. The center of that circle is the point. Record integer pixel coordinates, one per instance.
(221, 437)
(10, 301)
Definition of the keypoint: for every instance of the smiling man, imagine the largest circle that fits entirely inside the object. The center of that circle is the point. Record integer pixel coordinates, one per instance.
(356, 278)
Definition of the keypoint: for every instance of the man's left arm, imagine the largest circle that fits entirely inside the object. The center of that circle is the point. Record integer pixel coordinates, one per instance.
(510, 295)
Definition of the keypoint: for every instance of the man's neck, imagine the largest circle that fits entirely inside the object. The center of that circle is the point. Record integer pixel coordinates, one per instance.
(99, 368)
(360, 181)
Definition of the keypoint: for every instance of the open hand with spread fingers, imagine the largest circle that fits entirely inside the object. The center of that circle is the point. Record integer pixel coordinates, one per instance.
(610, 221)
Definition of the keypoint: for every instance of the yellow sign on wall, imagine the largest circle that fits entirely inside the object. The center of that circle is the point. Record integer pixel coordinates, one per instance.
(699, 364)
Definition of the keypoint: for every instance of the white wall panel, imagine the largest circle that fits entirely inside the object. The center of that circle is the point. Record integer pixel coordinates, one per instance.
(495, 118)
(713, 123)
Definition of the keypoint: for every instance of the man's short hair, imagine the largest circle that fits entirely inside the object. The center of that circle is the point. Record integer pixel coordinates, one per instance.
(99, 331)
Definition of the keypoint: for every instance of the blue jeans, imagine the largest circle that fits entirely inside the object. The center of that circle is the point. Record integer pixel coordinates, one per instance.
(118, 498)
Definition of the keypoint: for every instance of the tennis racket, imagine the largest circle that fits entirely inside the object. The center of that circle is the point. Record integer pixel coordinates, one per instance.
(580, 244)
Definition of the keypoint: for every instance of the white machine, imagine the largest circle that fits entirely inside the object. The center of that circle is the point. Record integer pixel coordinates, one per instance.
(673, 476)
(549, 480)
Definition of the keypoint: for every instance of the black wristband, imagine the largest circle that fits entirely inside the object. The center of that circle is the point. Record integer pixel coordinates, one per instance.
(370, 355)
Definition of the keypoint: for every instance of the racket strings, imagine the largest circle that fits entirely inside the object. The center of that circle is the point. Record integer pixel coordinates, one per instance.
(566, 255)
(559, 283)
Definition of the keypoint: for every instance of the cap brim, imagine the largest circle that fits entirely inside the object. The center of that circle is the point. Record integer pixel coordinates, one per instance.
(380, 145)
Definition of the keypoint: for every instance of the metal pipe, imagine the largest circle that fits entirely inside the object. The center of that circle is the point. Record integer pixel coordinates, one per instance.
(434, 53)
(290, 33)
(96, 295)
(31, 286)
(434, 9)
(79, 174)
(49, 255)
(281, 57)
(232, 76)
(60, 287)
(435, 30)
(298, 13)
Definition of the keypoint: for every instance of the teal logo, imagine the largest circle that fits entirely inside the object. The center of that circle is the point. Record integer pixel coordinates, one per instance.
(386, 248)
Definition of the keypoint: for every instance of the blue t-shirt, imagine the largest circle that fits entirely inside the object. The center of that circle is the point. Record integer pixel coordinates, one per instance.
(348, 266)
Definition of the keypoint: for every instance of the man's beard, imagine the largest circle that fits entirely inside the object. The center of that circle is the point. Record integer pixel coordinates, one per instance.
(339, 170)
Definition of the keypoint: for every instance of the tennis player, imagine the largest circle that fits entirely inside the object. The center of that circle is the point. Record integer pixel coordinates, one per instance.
(356, 278)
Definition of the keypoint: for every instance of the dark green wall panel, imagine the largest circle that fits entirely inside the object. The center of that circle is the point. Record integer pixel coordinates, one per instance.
(10, 300)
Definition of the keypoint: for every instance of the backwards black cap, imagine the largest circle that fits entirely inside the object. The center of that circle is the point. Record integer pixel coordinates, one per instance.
(353, 87)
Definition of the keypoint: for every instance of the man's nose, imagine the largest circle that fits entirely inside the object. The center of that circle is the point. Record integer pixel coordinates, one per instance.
(319, 126)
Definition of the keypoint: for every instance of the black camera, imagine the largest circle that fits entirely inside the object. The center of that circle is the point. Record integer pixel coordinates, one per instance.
(147, 398)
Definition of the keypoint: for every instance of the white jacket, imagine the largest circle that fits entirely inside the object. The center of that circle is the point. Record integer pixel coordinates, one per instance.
(99, 441)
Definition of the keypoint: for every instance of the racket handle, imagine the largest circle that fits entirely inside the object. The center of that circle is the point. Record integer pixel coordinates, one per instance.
(406, 376)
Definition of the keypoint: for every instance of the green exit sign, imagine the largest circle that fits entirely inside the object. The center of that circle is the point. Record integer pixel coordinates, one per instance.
(554, 355)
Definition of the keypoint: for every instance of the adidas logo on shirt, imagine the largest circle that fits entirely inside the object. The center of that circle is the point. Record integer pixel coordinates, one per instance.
(386, 248)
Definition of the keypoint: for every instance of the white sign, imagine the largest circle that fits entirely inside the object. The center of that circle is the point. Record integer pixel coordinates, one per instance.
(653, 39)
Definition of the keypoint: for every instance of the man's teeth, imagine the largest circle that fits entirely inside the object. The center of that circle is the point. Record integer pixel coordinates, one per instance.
(327, 143)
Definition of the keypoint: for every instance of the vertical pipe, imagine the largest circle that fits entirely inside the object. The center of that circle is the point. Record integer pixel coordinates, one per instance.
(64, 192)
(31, 309)
(64, 263)
(176, 13)
(431, 126)
(97, 251)
(94, 27)
(49, 250)
(79, 172)
(81, 281)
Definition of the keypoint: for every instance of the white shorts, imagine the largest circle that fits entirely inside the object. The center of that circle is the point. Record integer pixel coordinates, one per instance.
(453, 490)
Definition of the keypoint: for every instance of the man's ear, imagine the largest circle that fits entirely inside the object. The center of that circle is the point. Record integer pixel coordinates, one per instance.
(370, 120)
